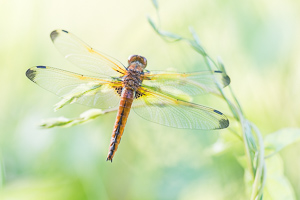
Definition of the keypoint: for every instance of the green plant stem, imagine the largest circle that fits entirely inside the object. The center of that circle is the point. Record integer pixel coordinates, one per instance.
(246, 145)
(239, 116)
(260, 169)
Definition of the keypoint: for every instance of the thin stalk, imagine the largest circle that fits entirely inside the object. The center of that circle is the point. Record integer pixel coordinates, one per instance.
(260, 166)
(246, 145)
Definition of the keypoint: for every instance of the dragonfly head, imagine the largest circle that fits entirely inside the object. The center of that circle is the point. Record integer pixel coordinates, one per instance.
(138, 61)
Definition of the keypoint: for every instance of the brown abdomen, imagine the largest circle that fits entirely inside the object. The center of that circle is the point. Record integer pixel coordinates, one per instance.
(124, 109)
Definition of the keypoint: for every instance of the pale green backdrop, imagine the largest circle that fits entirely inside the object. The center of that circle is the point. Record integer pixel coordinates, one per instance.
(258, 41)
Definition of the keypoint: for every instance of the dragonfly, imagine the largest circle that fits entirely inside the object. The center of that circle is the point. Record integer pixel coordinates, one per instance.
(161, 97)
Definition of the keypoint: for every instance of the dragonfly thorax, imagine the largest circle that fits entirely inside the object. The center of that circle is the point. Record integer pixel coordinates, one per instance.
(132, 80)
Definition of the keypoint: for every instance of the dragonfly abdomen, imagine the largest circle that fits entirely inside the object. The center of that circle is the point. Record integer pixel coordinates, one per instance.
(121, 119)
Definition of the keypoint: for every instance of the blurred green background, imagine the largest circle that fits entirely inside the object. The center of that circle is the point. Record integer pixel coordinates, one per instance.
(258, 41)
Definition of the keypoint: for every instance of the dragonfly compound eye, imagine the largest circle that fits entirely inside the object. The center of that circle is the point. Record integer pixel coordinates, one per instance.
(131, 59)
(137, 58)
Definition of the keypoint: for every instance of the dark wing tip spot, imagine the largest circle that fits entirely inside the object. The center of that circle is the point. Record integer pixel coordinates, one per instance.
(226, 80)
(224, 123)
(30, 73)
(225, 77)
(41, 67)
(54, 35)
(65, 31)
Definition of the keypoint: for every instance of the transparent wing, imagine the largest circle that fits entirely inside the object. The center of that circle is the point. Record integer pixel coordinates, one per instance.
(90, 91)
(85, 57)
(165, 110)
(180, 84)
